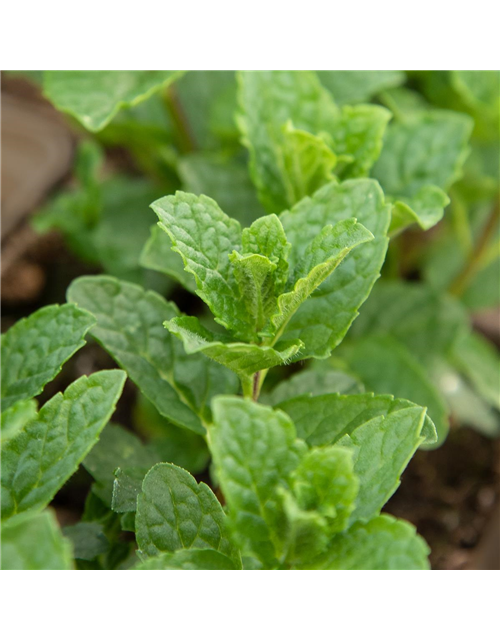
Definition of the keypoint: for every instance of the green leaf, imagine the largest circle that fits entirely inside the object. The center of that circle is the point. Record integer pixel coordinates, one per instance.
(127, 486)
(255, 277)
(312, 383)
(321, 258)
(254, 450)
(130, 327)
(401, 375)
(323, 320)
(325, 482)
(297, 135)
(88, 540)
(50, 552)
(358, 136)
(116, 448)
(226, 180)
(422, 157)
(350, 87)
(95, 97)
(383, 543)
(183, 448)
(175, 512)
(478, 360)
(242, 358)
(189, 559)
(268, 101)
(382, 448)
(204, 236)
(35, 348)
(266, 237)
(40, 459)
(324, 419)
(306, 162)
(157, 254)
(425, 321)
(16, 417)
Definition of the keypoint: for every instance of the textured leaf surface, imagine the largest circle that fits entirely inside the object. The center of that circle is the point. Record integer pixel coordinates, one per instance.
(225, 180)
(130, 326)
(189, 559)
(205, 236)
(324, 419)
(39, 460)
(386, 366)
(349, 87)
(384, 543)
(35, 348)
(266, 237)
(425, 150)
(382, 448)
(322, 321)
(175, 512)
(254, 450)
(244, 359)
(16, 417)
(95, 97)
(50, 552)
(321, 258)
(296, 134)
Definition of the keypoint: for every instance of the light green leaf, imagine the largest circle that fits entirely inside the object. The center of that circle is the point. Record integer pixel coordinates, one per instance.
(268, 100)
(254, 450)
(312, 383)
(297, 135)
(350, 87)
(175, 512)
(242, 358)
(16, 417)
(325, 482)
(88, 540)
(35, 348)
(324, 419)
(305, 161)
(255, 277)
(401, 375)
(321, 258)
(479, 361)
(358, 136)
(130, 326)
(226, 180)
(323, 319)
(204, 236)
(40, 459)
(189, 559)
(266, 237)
(50, 552)
(157, 254)
(95, 97)
(383, 543)
(382, 448)
(425, 150)
(117, 447)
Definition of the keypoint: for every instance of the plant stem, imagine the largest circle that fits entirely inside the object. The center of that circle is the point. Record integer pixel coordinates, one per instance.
(256, 386)
(473, 264)
(186, 139)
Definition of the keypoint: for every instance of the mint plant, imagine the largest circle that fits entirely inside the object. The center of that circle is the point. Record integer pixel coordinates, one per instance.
(344, 169)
